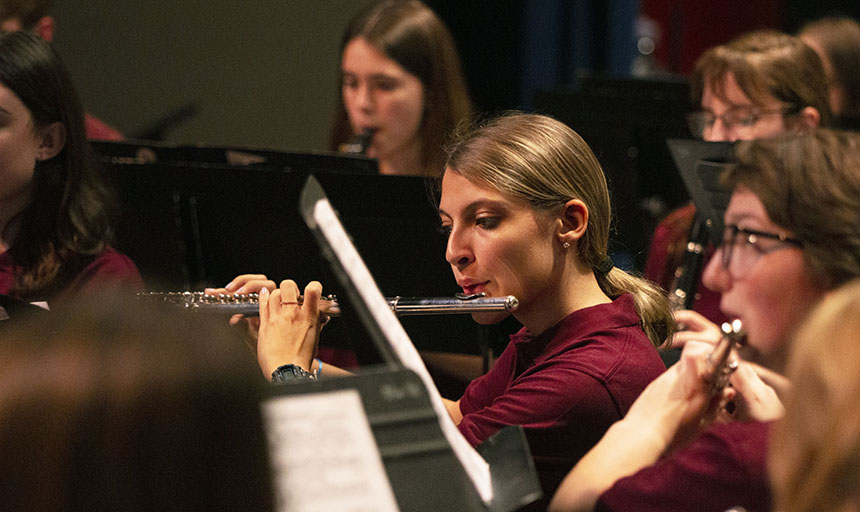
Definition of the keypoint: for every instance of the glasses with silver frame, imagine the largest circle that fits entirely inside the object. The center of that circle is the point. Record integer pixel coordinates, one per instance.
(737, 119)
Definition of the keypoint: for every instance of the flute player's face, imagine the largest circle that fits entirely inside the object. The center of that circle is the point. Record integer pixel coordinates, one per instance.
(766, 284)
(381, 96)
(496, 245)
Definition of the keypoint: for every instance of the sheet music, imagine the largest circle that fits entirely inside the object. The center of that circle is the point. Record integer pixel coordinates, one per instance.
(326, 219)
(324, 455)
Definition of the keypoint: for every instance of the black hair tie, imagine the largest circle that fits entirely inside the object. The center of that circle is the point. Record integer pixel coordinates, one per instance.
(605, 266)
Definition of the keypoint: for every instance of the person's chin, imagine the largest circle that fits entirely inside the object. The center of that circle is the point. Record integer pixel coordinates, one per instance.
(490, 317)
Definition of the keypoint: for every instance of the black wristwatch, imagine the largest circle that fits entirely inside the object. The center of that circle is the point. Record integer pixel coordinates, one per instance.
(290, 373)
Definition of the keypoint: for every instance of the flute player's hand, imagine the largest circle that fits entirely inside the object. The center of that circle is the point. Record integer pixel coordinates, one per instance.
(678, 403)
(694, 327)
(245, 284)
(289, 331)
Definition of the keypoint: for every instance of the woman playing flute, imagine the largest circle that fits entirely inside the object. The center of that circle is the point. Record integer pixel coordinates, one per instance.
(791, 237)
(526, 208)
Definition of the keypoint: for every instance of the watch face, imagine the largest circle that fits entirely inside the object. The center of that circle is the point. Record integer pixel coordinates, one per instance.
(289, 372)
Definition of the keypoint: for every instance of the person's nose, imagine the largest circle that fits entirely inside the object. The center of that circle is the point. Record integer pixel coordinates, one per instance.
(719, 131)
(459, 251)
(716, 277)
(365, 99)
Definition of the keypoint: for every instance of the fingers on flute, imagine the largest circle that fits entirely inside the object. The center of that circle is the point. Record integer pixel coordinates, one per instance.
(681, 338)
(265, 299)
(244, 284)
(313, 292)
(250, 283)
(289, 290)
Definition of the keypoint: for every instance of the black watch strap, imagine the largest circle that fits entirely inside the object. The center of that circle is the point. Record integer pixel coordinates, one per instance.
(290, 373)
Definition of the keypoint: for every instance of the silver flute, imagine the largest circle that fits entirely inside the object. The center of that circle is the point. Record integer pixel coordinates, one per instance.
(249, 304)
(721, 359)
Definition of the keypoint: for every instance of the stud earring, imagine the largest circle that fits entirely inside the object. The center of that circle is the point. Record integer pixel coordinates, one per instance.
(566, 245)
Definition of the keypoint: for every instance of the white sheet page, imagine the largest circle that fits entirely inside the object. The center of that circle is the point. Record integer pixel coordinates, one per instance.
(324, 455)
(475, 465)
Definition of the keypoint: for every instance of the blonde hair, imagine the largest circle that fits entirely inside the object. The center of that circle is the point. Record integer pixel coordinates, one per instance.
(543, 162)
(815, 449)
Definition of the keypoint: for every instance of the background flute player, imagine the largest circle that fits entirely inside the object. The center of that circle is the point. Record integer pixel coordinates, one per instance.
(791, 237)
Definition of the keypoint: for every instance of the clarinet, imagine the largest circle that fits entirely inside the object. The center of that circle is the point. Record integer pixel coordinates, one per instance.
(358, 145)
(683, 292)
(249, 304)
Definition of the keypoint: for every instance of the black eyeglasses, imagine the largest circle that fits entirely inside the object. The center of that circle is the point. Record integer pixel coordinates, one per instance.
(741, 248)
(737, 119)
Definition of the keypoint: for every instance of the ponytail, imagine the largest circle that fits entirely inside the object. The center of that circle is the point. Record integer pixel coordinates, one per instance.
(652, 305)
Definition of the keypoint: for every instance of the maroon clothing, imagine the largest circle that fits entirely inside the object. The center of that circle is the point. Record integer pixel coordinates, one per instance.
(666, 254)
(686, 29)
(96, 129)
(724, 467)
(108, 268)
(565, 387)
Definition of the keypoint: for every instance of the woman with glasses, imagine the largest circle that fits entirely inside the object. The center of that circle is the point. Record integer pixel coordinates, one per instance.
(759, 85)
(792, 235)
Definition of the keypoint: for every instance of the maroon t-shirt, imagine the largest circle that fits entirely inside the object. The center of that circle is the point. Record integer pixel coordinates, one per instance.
(97, 129)
(565, 387)
(110, 268)
(725, 467)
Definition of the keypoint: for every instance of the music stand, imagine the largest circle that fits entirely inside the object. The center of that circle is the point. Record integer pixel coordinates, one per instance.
(12, 308)
(149, 152)
(700, 164)
(411, 426)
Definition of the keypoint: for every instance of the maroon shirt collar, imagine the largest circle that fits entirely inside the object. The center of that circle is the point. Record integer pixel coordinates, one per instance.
(580, 324)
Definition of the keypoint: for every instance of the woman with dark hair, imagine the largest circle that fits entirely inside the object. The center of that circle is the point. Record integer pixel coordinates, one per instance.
(56, 211)
(791, 236)
(401, 82)
(114, 404)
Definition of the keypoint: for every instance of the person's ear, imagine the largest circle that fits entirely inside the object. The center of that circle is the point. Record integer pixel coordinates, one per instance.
(52, 139)
(45, 28)
(573, 222)
(808, 119)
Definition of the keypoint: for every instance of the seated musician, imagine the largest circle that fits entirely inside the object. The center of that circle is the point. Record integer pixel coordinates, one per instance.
(401, 83)
(813, 454)
(791, 236)
(56, 212)
(526, 208)
(114, 404)
(759, 85)
(836, 40)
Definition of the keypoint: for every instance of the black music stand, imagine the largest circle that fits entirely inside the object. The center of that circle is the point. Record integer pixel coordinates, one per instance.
(189, 221)
(12, 309)
(420, 464)
(700, 164)
(148, 152)
(626, 123)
